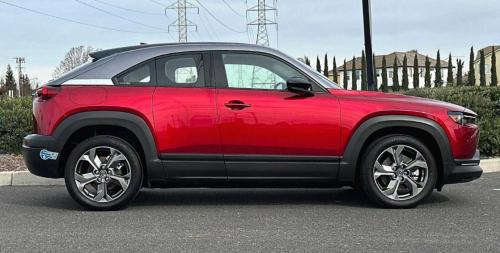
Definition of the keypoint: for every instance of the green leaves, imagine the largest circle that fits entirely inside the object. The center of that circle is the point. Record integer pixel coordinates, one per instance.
(15, 123)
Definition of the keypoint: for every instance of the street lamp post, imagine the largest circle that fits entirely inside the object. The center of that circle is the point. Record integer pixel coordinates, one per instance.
(370, 72)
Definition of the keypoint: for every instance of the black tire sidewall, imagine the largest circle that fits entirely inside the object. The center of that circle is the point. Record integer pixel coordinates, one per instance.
(135, 170)
(368, 183)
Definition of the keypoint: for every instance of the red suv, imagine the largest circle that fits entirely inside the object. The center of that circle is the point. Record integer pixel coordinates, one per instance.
(237, 115)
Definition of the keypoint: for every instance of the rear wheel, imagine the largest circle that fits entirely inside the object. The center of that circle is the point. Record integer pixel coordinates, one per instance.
(398, 171)
(103, 173)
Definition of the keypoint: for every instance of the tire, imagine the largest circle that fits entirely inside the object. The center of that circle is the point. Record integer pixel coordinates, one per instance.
(110, 180)
(388, 182)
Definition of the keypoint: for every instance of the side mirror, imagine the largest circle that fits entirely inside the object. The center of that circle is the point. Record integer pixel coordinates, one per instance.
(299, 86)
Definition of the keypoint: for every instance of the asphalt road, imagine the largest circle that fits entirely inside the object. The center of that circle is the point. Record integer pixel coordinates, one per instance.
(461, 218)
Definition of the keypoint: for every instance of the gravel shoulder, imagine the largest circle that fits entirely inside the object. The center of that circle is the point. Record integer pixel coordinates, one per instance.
(10, 162)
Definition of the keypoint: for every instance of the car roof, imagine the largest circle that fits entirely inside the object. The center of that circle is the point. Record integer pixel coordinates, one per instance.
(189, 45)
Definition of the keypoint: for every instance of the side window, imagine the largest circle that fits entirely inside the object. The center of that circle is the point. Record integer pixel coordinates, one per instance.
(139, 75)
(253, 71)
(181, 71)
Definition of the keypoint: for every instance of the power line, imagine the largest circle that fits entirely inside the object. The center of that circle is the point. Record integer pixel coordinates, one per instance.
(232, 9)
(127, 9)
(72, 20)
(120, 17)
(158, 3)
(218, 20)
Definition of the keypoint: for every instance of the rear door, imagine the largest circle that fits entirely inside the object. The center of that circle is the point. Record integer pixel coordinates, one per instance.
(185, 118)
(267, 131)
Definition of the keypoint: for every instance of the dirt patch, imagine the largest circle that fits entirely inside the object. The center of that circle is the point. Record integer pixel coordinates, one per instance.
(12, 163)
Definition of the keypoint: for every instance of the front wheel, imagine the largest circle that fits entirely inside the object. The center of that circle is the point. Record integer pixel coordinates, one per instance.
(398, 171)
(103, 173)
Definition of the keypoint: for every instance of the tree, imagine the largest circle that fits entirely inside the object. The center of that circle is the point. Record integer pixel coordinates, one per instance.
(471, 80)
(2, 86)
(416, 73)
(10, 82)
(353, 72)
(25, 86)
(395, 75)
(308, 62)
(75, 57)
(346, 82)
(334, 71)
(325, 66)
(460, 66)
(318, 65)
(364, 84)
(494, 77)
(385, 86)
(427, 72)
(482, 69)
(405, 73)
(449, 80)
(438, 80)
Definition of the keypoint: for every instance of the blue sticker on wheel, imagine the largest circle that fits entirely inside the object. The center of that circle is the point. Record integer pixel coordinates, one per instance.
(48, 155)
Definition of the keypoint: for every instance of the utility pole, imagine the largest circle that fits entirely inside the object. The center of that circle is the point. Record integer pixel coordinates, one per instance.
(182, 23)
(370, 70)
(19, 62)
(262, 20)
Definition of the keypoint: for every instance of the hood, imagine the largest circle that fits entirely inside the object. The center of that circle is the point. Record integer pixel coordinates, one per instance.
(398, 98)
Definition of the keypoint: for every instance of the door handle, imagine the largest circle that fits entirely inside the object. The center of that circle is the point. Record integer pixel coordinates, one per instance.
(236, 105)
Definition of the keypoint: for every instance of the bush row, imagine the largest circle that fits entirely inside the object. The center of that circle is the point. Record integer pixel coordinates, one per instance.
(15, 123)
(485, 101)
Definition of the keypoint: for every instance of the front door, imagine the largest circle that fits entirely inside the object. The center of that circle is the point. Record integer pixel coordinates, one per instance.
(268, 132)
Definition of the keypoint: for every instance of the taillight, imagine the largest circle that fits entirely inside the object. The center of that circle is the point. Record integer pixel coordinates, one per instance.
(46, 92)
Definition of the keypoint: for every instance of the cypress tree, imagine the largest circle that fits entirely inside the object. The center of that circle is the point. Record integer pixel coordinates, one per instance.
(427, 72)
(385, 85)
(449, 80)
(494, 77)
(10, 82)
(335, 72)
(405, 73)
(308, 62)
(395, 75)
(318, 65)
(2, 86)
(438, 80)
(482, 69)
(460, 66)
(472, 72)
(364, 84)
(416, 74)
(325, 65)
(353, 73)
(346, 82)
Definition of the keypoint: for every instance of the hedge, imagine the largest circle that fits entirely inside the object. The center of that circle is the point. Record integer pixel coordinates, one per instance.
(16, 119)
(15, 123)
(485, 101)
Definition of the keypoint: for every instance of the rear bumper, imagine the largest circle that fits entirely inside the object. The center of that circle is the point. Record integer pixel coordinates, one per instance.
(464, 170)
(40, 157)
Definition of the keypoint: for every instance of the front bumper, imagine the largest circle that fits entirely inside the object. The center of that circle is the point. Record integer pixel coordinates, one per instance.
(40, 157)
(464, 170)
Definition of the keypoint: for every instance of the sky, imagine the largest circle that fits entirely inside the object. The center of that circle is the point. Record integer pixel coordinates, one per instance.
(309, 28)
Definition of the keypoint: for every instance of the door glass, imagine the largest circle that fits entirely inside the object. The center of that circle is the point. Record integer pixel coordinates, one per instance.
(181, 71)
(140, 75)
(252, 71)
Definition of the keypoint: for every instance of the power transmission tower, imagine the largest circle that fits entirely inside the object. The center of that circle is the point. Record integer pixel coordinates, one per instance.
(182, 23)
(19, 62)
(263, 21)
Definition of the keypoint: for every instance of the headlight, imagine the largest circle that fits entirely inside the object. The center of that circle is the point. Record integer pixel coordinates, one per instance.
(462, 118)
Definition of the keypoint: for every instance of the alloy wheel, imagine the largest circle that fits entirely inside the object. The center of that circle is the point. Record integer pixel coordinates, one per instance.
(400, 172)
(102, 174)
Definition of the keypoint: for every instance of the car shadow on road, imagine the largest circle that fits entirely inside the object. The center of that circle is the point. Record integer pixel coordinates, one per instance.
(220, 197)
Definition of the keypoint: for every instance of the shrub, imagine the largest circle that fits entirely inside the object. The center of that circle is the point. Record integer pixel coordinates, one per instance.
(485, 101)
(15, 123)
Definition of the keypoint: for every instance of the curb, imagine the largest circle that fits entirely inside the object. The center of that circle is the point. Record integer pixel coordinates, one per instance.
(20, 178)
